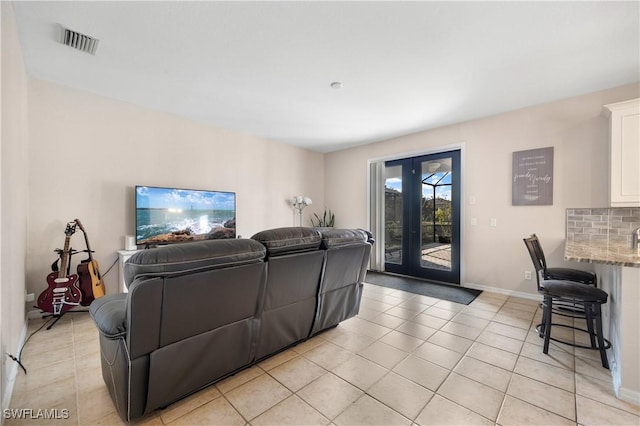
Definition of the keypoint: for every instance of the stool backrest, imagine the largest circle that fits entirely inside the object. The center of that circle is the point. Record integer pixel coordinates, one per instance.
(537, 257)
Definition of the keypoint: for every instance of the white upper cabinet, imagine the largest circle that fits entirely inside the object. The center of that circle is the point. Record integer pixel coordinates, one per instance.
(624, 153)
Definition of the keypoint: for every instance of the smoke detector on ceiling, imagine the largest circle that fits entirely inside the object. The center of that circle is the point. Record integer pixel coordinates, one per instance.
(78, 40)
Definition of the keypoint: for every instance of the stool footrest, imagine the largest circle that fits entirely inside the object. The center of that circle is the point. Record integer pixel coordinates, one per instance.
(540, 330)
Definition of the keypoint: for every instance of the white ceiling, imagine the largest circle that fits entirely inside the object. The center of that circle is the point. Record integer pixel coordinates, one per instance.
(265, 68)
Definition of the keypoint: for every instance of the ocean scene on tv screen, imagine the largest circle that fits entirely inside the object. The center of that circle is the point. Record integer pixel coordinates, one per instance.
(165, 215)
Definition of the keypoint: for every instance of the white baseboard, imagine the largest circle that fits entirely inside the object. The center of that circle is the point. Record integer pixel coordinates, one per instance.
(13, 372)
(503, 291)
(628, 395)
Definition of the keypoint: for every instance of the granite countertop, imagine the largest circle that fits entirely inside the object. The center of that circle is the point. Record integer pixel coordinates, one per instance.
(602, 252)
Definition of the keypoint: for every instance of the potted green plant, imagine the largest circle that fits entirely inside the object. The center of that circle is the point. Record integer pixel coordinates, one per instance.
(327, 220)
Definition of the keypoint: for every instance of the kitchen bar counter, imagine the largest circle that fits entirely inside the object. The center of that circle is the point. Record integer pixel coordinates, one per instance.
(618, 270)
(602, 237)
(602, 252)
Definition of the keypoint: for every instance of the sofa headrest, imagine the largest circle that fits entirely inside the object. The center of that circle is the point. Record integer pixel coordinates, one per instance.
(192, 256)
(332, 238)
(287, 240)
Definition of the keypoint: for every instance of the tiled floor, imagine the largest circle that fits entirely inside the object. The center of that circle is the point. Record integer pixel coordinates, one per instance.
(406, 359)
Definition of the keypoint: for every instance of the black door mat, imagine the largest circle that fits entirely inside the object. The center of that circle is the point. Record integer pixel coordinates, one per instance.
(452, 293)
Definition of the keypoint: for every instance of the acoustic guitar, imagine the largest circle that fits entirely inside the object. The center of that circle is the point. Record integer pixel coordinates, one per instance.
(62, 292)
(91, 283)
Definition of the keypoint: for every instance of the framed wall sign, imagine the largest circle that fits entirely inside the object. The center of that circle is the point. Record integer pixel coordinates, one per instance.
(532, 177)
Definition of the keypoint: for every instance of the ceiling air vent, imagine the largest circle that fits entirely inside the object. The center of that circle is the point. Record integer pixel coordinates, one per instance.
(79, 41)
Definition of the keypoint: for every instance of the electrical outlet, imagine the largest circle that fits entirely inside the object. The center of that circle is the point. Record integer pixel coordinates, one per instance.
(527, 275)
(29, 297)
(493, 222)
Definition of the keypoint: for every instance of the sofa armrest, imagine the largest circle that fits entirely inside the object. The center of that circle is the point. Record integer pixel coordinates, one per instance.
(109, 313)
(370, 238)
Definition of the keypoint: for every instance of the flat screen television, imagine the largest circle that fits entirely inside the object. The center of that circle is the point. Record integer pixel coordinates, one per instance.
(173, 215)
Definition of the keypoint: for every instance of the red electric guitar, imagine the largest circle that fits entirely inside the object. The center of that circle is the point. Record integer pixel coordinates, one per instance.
(62, 292)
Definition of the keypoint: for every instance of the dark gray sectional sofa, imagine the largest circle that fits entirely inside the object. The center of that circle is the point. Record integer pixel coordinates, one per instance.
(198, 312)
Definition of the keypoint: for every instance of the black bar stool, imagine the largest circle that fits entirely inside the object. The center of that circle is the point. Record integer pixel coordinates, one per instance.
(589, 298)
(546, 273)
(564, 274)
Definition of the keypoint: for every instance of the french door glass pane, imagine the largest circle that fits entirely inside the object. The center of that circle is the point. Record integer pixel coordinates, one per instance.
(422, 216)
(393, 214)
(436, 214)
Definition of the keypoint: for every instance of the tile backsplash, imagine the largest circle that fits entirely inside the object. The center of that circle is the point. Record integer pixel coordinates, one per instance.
(603, 224)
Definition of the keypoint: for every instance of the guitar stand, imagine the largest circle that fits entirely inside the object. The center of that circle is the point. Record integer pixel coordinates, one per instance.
(54, 265)
(58, 317)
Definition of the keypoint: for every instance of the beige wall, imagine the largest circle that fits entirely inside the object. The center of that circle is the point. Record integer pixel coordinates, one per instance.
(88, 152)
(495, 257)
(13, 198)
